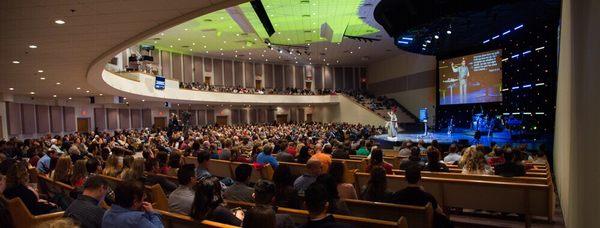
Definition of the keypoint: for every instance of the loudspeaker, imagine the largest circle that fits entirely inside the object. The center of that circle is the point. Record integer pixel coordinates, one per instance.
(92, 100)
(167, 104)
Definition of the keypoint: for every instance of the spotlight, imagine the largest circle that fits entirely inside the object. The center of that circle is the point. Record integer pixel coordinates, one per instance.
(448, 32)
(436, 37)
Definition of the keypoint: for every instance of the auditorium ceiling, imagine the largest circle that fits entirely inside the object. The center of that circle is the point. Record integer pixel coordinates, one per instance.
(306, 32)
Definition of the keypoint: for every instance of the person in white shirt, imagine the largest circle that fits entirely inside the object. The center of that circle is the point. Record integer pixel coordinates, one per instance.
(453, 156)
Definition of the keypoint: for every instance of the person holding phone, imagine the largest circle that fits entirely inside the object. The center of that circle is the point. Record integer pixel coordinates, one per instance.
(130, 208)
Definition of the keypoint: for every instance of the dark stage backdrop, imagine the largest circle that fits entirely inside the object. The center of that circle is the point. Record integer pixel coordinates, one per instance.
(529, 68)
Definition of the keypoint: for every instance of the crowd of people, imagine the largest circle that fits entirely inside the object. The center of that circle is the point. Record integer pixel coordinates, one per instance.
(201, 86)
(137, 156)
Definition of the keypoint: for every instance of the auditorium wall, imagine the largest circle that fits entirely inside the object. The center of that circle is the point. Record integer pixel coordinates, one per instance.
(409, 78)
(236, 72)
(577, 130)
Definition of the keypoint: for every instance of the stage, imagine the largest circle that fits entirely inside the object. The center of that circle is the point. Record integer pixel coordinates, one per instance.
(458, 136)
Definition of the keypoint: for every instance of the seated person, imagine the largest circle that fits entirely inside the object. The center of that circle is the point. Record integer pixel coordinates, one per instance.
(86, 208)
(17, 180)
(413, 159)
(510, 168)
(265, 157)
(318, 205)
(262, 216)
(313, 170)
(130, 209)
(377, 160)
(433, 161)
(264, 195)
(207, 203)
(240, 191)
(414, 194)
(376, 188)
(202, 169)
(453, 156)
(180, 200)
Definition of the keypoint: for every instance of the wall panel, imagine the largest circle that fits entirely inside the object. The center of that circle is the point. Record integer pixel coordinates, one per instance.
(146, 118)
(42, 113)
(338, 77)
(318, 77)
(202, 117)
(112, 116)
(249, 74)
(348, 78)
(166, 63)
(268, 76)
(56, 119)
(299, 77)
(187, 68)
(28, 118)
(136, 118)
(328, 77)
(210, 116)
(69, 120)
(176, 66)
(239, 74)
(244, 116)
(198, 72)
(218, 71)
(124, 119)
(100, 118)
(278, 77)
(289, 76)
(228, 73)
(13, 111)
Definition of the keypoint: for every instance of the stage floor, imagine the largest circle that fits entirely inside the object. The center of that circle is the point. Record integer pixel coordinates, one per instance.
(499, 138)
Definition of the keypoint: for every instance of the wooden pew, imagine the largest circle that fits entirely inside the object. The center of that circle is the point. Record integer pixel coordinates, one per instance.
(190, 160)
(220, 168)
(155, 193)
(296, 169)
(174, 220)
(22, 218)
(360, 165)
(510, 197)
(416, 216)
(301, 217)
(266, 172)
(457, 175)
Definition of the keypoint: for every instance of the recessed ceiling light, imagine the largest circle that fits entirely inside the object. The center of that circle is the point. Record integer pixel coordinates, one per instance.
(16, 62)
(32, 46)
(78, 88)
(436, 36)
(190, 49)
(58, 83)
(70, 98)
(59, 22)
(155, 41)
(42, 78)
(296, 61)
(449, 32)
(143, 100)
(203, 36)
(40, 71)
(171, 46)
(100, 94)
(54, 95)
(162, 33)
(31, 92)
(193, 43)
(185, 29)
(249, 58)
(178, 38)
(11, 88)
(87, 91)
(351, 52)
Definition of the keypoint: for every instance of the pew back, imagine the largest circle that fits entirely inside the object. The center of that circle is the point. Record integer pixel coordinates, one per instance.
(22, 218)
(174, 220)
(415, 215)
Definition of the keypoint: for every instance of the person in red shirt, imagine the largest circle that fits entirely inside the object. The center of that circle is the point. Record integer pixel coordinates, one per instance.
(377, 160)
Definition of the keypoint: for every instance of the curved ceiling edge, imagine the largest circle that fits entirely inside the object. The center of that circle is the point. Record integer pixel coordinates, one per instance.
(96, 68)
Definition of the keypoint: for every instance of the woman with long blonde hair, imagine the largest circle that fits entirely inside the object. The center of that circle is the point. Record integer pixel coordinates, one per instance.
(476, 164)
(112, 167)
(64, 167)
(136, 172)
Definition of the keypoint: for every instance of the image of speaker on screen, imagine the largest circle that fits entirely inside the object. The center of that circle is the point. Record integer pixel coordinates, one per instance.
(463, 73)
(470, 79)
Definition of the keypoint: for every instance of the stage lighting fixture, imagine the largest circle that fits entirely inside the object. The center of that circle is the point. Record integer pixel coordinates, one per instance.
(260, 11)
(518, 27)
(436, 37)
(495, 37)
(449, 32)
(486, 41)
(526, 52)
(506, 32)
(407, 38)
(402, 42)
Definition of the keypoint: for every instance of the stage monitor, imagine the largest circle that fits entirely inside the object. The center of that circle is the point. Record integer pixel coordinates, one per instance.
(159, 83)
(471, 79)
